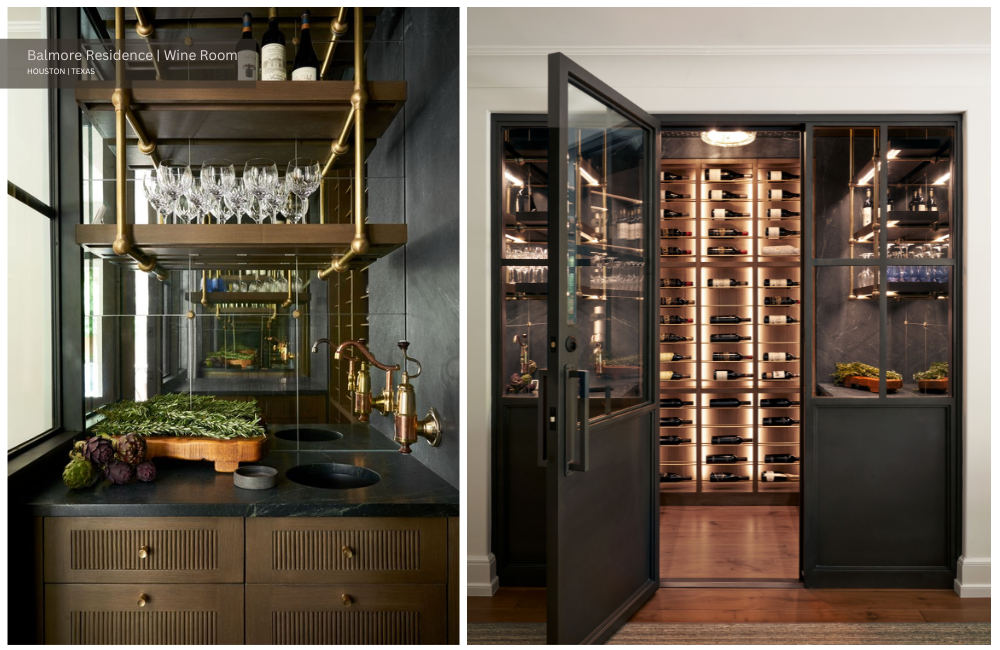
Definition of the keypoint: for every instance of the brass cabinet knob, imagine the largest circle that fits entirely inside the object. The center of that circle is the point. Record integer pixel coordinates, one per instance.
(143, 552)
(142, 600)
(348, 601)
(348, 552)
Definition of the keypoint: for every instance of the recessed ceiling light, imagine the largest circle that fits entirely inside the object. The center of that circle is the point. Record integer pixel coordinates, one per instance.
(728, 138)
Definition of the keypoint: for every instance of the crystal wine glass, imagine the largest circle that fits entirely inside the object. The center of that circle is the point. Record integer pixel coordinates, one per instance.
(260, 175)
(303, 176)
(238, 200)
(199, 202)
(155, 194)
(275, 200)
(218, 176)
(174, 178)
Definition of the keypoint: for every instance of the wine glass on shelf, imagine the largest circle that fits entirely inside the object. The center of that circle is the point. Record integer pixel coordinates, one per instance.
(303, 176)
(238, 201)
(276, 200)
(260, 175)
(218, 176)
(155, 194)
(174, 178)
(199, 202)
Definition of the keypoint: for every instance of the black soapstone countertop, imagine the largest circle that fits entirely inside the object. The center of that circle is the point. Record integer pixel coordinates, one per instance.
(194, 489)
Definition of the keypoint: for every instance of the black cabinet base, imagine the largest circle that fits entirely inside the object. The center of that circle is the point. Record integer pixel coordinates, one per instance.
(729, 499)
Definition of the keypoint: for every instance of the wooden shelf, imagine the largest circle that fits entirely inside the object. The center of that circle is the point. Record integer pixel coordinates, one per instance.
(233, 297)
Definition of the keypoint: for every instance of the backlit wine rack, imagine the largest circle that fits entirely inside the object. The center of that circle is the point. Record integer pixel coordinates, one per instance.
(753, 268)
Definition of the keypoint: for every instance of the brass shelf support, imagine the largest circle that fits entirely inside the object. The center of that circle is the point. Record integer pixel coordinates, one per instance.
(144, 28)
(338, 27)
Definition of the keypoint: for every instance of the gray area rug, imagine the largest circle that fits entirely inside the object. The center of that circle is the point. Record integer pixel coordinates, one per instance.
(752, 634)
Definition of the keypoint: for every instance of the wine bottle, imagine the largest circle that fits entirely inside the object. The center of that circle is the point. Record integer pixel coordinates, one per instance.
(773, 282)
(726, 477)
(778, 374)
(726, 232)
(780, 459)
(273, 50)
(866, 209)
(888, 201)
(919, 204)
(774, 233)
(306, 65)
(674, 320)
(666, 375)
(670, 477)
(777, 477)
(667, 357)
(673, 338)
(724, 458)
(247, 52)
(781, 176)
(674, 282)
(725, 250)
(727, 375)
(674, 422)
(779, 320)
(729, 440)
(779, 356)
(773, 301)
(724, 175)
(667, 195)
(727, 338)
(673, 250)
(674, 302)
(674, 403)
(781, 195)
(672, 440)
(667, 214)
(731, 356)
(931, 203)
(779, 422)
(721, 213)
(777, 402)
(726, 403)
(724, 195)
(670, 176)
(726, 283)
(673, 232)
(727, 320)
(525, 201)
(781, 213)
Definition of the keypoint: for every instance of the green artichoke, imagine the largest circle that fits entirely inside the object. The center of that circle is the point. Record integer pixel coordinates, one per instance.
(131, 448)
(80, 473)
(77, 450)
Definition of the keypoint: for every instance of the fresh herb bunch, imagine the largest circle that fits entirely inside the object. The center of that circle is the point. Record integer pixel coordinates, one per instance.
(235, 355)
(938, 370)
(630, 360)
(179, 414)
(858, 369)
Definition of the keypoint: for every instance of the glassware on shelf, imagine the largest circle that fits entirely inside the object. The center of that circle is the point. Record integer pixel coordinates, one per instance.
(156, 195)
(175, 179)
(260, 175)
(218, 176)
(303, 176)
(238, 201)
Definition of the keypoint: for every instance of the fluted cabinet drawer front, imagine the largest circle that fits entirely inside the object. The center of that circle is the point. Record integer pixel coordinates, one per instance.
(346, 614)
(171, 614)
(128, 549)
(347, 550)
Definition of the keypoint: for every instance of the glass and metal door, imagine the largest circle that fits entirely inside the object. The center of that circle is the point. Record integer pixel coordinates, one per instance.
(598, 428)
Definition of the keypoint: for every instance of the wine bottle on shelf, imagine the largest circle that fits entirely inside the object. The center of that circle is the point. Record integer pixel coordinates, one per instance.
(247, 52)
(670, 176)
(727, 338)
(726, 232)
(306, 65)
(674, 302)
(781, 195)
(667, 195)
(525, 200)
(777, 477)
(919, 204)
(888, 201)
(781, 176)
(724, 458)
(673, 338)
(780, 459)
(724, 195)
(931, 203)
(777, 282)
(779, 320)
(672, 440)
(674, 232)
(725, 250)
(272, 51)
(668, 214)
(731, 356)
(777, 402)
(673, 250)
(779, 356)
(727, 320)
(674, 403)
(714, 282)
(778, 374)
(670, 477)
(674, 320)
(729, 440)
(781, 213)
(720, 213)
(866, 209)
(674, 422)
(726, 477)
(667, 357)
(774, 233)
(728, 375)
(774, 301)
(726, 403)
(724, 175)
(666, 375)
(779, 422)
(674, 282)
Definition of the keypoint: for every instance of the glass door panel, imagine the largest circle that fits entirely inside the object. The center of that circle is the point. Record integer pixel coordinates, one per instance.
(919, 192)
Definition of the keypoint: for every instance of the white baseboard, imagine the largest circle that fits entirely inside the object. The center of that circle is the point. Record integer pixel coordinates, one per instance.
(482, 576)
(973, 579)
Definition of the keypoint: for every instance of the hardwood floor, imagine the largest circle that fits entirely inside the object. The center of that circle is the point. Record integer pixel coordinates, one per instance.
(729, 542)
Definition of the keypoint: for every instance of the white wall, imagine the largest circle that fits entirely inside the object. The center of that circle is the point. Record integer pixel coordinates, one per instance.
(820, 61)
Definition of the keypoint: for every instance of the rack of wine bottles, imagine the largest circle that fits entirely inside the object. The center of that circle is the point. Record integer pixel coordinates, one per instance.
(730, 326)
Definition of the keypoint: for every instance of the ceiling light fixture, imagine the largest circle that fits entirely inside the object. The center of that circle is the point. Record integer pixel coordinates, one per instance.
(728, 138)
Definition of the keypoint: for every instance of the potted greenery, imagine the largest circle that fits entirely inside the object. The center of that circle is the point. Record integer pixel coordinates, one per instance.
(860, 375)
(934, 378)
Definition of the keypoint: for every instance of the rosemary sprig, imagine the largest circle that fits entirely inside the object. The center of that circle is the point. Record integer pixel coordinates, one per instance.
(179, 414)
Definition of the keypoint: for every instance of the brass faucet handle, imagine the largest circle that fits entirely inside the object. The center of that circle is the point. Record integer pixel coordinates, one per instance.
(404, 345)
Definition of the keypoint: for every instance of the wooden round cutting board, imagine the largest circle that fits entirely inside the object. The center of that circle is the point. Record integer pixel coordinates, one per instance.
(226, 454)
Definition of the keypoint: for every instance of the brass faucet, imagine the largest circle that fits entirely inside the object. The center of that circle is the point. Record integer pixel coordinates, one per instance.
(406, 426)
(528, 367)
(599, 353)
(360, 384)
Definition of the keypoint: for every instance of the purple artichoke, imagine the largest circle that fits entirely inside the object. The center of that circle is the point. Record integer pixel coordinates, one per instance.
(98, 450)
(119, 472)
(131, 448)
(146, 472)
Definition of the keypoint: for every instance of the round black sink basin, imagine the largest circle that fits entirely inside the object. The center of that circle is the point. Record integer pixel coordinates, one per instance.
(309, 435)
(332, 476)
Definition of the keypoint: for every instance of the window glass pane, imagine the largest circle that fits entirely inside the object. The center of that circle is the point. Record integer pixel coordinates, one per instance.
(845, 196)
(920, 192)
(28, 115)
(847, 331)
(920, 328)
(29, 323)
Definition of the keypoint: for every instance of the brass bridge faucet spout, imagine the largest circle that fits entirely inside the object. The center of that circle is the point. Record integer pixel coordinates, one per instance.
(361, 383)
